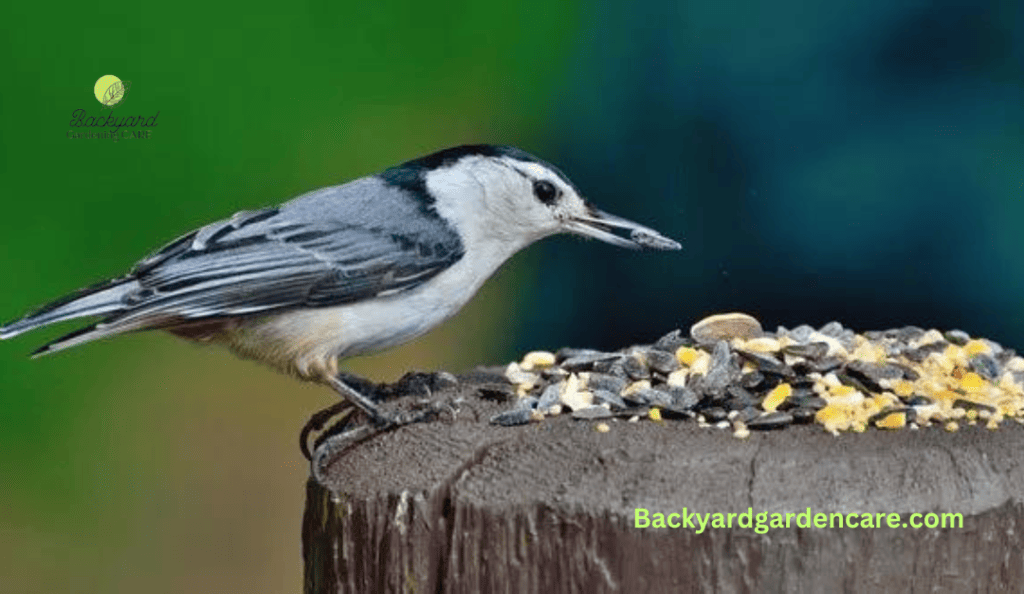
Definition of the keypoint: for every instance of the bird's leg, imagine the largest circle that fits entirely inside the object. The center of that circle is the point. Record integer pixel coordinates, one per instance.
(377, 417)
(340, 436)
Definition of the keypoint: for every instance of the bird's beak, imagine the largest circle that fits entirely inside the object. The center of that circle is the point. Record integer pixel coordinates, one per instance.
(600, 225)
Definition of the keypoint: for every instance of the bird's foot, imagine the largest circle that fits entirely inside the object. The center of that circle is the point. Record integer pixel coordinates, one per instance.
(344, 433)
(341, 410)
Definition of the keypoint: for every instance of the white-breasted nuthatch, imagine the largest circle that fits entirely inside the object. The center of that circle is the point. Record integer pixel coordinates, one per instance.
(344, 270)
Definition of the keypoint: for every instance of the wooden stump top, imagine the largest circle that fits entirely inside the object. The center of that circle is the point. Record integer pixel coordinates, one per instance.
(461, 505)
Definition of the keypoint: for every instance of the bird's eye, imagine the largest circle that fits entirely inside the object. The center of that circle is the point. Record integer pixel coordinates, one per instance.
(545, 191)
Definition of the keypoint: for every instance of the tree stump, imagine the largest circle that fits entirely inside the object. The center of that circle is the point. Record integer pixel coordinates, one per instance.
(460, 505)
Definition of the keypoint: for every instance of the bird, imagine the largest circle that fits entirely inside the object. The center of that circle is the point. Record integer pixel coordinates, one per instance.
(344, 270)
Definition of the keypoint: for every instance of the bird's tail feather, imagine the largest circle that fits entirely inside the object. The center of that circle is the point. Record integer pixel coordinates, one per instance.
(98, 300)
(87, 334)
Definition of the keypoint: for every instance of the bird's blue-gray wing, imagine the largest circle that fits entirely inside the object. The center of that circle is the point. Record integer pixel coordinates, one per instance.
(278, 259)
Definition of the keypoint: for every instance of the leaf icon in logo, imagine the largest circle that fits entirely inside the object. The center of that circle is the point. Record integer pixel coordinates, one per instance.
(115, 93)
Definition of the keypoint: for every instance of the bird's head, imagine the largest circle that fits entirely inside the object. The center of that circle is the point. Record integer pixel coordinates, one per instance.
(502, 194)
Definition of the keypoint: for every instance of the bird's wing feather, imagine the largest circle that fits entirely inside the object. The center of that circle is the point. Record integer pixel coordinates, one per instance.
(283, 258)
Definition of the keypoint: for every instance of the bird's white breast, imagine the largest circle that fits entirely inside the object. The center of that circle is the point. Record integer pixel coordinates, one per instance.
(308, 342)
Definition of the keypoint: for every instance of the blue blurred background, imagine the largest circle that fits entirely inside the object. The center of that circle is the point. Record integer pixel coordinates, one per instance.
(856, 161)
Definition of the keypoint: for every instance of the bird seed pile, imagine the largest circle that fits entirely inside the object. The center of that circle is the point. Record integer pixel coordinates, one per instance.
(730, 373)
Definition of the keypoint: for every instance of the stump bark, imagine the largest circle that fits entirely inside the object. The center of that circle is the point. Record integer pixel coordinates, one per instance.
(460, 505)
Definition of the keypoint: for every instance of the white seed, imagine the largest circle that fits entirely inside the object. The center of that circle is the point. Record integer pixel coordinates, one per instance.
(577, 399)
(677, 378)
(636, 387)
(517, 375)
(538, 360)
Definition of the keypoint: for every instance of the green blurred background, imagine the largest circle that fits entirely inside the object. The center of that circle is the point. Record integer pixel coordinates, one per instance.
(860, 161)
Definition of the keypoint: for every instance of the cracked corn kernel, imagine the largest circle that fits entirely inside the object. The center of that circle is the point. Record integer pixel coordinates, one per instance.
(603, 428)
(903, 388)
(896, 420)
(833, 418)
(976, 347)
(843, 390)
(686, 355)
(972, 382)
(952, 426)
(654, 414)
(872, 406)
(776, 397)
